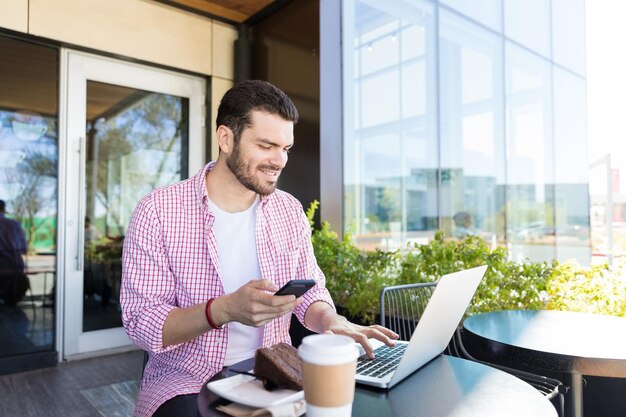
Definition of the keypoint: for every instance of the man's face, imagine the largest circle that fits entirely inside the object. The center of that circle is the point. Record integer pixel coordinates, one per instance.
(261, 153)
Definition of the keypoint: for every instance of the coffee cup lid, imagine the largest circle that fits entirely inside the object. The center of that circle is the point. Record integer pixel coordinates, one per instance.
(328, 349)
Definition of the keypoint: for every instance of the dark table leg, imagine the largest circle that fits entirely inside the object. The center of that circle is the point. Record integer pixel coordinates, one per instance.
(574, 399)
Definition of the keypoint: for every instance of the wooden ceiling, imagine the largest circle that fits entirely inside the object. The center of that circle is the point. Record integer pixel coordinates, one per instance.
(234, 10)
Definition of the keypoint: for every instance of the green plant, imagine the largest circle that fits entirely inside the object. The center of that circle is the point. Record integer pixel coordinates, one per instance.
(507, 285)
(597, 289)
(355, 277)
(104, 251)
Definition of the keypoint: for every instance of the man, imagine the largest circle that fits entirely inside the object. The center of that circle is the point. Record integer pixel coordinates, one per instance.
(203, 257)
(13, 282)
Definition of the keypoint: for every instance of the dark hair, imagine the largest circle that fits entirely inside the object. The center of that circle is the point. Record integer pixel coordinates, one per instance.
(1, 206)
(247, 96)
(461, 217)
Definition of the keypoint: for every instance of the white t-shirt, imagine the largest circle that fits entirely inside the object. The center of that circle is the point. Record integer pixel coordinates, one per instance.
(239, 263)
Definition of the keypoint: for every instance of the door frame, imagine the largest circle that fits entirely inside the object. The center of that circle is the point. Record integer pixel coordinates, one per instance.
(75, 69)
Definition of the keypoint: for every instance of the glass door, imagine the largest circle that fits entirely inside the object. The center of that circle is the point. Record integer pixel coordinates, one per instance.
(130, 129)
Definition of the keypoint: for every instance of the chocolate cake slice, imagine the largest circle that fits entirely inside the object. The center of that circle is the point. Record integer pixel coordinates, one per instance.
(279, 365)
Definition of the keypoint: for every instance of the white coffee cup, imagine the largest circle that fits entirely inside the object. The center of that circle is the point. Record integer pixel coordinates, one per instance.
(328, 367)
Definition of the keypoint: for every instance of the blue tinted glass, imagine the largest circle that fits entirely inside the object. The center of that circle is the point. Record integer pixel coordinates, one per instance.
(390, 147)
(487, 12)
(472, 134)
(571, 187)
(568, 34)
(530, 166)
(528, 22)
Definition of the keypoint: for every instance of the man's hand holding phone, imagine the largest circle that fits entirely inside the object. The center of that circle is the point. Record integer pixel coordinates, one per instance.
(296, 287)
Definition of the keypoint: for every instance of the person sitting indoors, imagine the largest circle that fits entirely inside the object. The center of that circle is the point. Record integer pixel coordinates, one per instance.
(13, 281)
(463, 225)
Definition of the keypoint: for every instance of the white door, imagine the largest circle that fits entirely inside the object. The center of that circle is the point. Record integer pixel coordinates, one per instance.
(125, 130)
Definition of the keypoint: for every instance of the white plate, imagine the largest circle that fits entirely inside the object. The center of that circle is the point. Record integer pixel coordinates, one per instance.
(247, 390)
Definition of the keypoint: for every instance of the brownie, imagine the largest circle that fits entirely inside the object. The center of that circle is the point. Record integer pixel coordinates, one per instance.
(279, 365)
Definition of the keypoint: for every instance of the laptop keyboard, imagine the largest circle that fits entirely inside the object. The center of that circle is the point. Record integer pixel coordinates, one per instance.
(387, 359)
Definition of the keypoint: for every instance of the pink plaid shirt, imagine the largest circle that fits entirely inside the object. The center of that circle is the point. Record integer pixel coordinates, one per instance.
(170, 261)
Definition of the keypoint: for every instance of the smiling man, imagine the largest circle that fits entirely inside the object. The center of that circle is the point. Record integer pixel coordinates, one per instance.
(203, 257)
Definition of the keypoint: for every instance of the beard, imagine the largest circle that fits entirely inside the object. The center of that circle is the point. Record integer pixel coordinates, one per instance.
(240, 170)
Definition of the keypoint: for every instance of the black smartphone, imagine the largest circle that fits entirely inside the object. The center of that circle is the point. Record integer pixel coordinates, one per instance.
(296, 287)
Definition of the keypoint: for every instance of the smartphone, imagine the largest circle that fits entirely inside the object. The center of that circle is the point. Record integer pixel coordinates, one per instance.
(296, 287)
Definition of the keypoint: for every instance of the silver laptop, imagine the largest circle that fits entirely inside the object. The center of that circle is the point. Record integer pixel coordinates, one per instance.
(432, 334)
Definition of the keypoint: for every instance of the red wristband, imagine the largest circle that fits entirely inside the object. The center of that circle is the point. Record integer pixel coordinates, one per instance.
(207, 314)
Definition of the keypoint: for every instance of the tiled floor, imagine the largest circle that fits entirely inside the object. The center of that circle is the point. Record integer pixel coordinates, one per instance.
(97, 387)
(114, 400)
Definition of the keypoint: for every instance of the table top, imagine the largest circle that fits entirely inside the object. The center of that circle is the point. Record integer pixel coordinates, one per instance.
(590, 344)
(446, 387)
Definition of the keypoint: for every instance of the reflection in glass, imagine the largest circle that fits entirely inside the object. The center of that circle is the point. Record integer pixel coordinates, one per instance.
(568, 35)
(135, 143)
(390, 152)
(519, 16)
(465, 128)
(28, 187)
(487, 12)
(530, 166)
(571, 189)
(472, 140)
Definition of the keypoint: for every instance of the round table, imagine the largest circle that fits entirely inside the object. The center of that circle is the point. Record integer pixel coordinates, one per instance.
(573, 343)
(446, 387)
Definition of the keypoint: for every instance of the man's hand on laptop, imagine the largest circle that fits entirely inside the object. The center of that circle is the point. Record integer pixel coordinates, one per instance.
(362, 334)
(322, 318)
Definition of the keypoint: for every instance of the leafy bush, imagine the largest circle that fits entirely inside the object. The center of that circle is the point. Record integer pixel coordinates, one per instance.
(355, 277)
(507, 285)
(591, 290)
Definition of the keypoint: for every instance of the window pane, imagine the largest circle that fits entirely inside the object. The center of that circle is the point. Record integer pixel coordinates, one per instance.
(528, 22)
(390, 148)
(380, 99)
(568, 31)
(381, 51)
(135, 142)
(472, 135)
(571, 188)
(530, 170)
(487, 12)
(28, 185)
(413, 79)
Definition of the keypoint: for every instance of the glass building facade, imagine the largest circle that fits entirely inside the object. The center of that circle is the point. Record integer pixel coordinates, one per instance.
(466, 117)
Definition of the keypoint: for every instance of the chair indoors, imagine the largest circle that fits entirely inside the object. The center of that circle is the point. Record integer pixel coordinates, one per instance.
(402, 306)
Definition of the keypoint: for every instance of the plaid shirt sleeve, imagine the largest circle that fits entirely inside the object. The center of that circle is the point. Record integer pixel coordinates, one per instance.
(308, 269)
(147, 282)
(290, 252)
(168, 263)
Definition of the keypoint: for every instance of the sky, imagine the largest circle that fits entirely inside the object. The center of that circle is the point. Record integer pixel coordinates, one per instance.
(606, 87)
